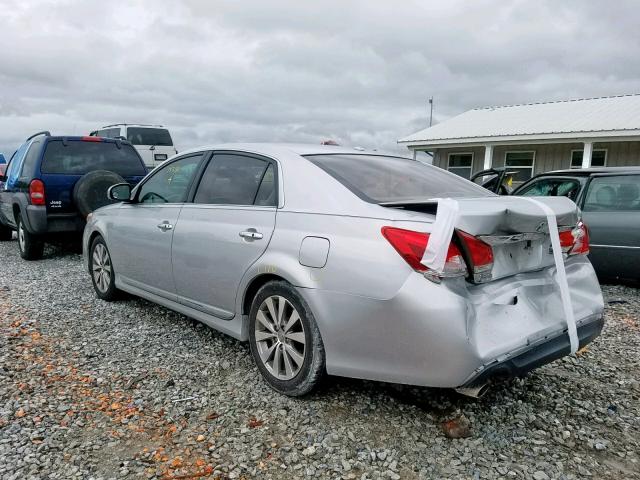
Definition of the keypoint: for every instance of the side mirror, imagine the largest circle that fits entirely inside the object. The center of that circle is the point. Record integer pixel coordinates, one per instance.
(120, 192)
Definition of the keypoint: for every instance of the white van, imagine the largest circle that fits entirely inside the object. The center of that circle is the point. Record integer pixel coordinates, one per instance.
(153, 142)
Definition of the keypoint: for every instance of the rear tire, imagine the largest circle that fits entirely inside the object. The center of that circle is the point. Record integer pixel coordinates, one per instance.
(288, 352)
(101, 269)
(31, 246)
(6, 233)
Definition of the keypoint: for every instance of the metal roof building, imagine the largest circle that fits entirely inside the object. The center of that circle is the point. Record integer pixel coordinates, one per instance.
(536, 137)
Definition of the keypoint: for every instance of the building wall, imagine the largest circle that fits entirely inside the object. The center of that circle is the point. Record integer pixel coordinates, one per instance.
(548, 156)
(621, 154)
(441, 157)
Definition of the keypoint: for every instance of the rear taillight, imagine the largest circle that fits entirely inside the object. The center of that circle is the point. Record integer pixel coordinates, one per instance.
(480, 255)
(575, 241)
(411, 246)
(36, 192)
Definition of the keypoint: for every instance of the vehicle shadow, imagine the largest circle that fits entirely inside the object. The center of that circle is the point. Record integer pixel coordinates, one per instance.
(440, 402)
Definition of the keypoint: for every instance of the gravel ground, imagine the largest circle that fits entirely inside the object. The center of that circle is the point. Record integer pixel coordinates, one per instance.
(99, 390)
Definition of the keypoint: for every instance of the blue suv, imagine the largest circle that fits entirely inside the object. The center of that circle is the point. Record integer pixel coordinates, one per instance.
(52, 183)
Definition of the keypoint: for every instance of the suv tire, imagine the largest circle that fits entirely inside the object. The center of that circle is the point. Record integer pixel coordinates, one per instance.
(285, 341)
(90, 192)
(101, 269)
(31, 246)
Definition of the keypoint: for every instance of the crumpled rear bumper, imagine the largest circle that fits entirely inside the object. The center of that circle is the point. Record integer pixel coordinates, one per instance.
(519, 363)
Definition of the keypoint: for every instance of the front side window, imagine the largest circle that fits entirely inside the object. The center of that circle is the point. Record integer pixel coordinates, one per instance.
(598, 158)
(521, 163)
(15, 165)
(380, 179)
(170, 184)
(237, 180)
(613, 194)
(461, 164)
(149, 136)
(553, 187)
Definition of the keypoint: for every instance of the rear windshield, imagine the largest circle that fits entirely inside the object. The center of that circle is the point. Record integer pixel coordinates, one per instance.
(149, 136)
(379, 179)
(78, 158)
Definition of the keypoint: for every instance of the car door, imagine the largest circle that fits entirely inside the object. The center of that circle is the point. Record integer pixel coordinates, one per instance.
(224, 230)
(611, 211)
(140, 239)
(10, 186)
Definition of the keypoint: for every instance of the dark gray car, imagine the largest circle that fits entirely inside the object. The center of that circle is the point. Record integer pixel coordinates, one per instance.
(610, 203)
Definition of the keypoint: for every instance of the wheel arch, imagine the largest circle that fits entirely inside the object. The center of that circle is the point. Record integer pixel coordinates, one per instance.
(254, 285)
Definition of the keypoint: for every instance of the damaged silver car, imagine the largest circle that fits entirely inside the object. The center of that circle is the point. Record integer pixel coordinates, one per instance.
(332, 260)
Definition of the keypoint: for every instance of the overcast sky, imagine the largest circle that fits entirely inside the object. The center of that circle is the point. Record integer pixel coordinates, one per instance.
(357, 72)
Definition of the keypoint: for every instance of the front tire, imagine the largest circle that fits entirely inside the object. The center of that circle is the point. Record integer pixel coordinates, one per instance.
(31, 246)
(101, 269)
(285, 341)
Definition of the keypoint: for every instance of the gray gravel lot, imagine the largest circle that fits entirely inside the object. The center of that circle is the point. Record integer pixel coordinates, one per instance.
(95, 390)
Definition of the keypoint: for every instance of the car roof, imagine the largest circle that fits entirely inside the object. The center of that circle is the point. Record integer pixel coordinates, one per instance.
(78, 138)
(274, 149)
(134, 125)
(585, 172)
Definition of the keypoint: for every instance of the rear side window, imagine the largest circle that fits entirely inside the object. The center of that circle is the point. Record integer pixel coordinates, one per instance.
(78, 158)
(553, 187)
(237, 180)
(108, 133)
(613, 194)
(379, 179)
(29, 164)
(149, 136)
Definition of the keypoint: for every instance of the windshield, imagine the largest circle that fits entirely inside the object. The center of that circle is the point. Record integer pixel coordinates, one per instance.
(78, 158)
(149, 136)
(379, 179)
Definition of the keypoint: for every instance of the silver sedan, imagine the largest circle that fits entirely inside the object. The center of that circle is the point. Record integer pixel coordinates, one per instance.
(316, 256)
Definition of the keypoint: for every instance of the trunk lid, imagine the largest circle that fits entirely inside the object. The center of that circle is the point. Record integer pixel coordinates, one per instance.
(515, 228)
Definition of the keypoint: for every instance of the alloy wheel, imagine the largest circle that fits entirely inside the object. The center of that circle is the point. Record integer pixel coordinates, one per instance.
(21, 236)
(280, 337)
(101, 267)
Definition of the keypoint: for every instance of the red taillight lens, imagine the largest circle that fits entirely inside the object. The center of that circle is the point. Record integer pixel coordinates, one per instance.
(36, 192)
(575, 241)
(411, 246)
(91, 139)
(480, 254)
(581, 240)
(566, 240)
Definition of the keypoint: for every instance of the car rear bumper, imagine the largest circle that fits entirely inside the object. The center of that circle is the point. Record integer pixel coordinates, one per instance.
(39, 222)
(523, 361)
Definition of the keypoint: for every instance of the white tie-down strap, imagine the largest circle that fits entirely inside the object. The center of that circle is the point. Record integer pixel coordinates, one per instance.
(561, 273)
(435, 255)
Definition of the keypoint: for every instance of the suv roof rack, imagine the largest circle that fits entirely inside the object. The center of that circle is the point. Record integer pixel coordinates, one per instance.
(132, 124)
(46, 133)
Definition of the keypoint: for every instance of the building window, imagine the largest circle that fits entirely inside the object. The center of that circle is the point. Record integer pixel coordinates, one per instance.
(521, 164)
(598, 158)
(461, 164)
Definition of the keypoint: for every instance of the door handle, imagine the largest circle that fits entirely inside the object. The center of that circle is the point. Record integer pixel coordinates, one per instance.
(251, 234)
(164, 226)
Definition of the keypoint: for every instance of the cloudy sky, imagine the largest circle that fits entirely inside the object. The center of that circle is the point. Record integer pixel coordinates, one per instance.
(359, 72)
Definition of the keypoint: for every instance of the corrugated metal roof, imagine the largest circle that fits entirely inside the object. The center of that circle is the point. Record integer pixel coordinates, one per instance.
(581, 116)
